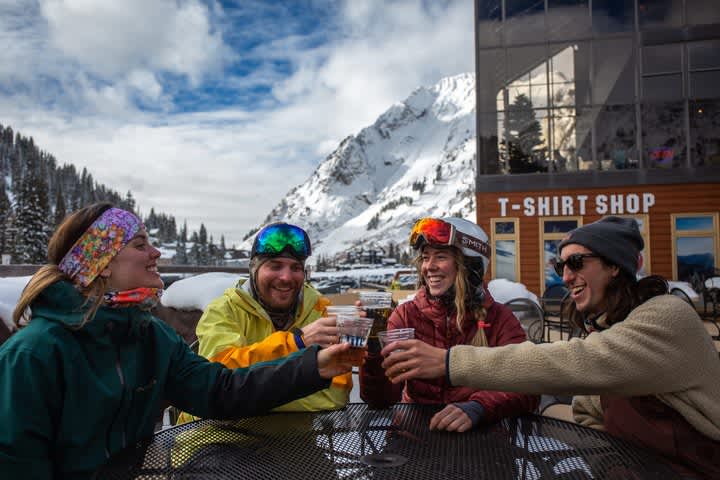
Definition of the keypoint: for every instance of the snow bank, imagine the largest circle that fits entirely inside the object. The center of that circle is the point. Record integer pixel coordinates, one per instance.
(504, 290)
(685, 287)
(195, 293)
(10, 290)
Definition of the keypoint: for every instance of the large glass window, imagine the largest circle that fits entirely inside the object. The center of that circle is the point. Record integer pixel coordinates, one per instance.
(662, 73)
(695, 244)
(505, 240)
(611, 16)
(524, 21)
(702, 12)
(663, 134)
(568, 19)
(489, 14)
(552, 231)
(704, 69)
(705, 132)
(615, 130)
(660, 13)
(613, 71)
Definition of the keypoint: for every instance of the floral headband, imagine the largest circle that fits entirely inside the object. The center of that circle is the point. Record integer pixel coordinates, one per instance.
(94, 250)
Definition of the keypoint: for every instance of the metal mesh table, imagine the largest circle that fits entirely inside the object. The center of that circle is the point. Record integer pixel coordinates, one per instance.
(358, 443)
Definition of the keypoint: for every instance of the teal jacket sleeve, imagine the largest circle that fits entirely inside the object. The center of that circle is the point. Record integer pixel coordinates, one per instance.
(210, 390)
(27, 385)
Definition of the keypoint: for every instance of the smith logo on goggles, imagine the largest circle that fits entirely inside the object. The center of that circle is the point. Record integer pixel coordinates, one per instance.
(282, 237)
(438, 232)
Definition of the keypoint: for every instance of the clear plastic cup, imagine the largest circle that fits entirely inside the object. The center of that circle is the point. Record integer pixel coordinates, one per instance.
(354, 330)
(378, 306)
(389, 336)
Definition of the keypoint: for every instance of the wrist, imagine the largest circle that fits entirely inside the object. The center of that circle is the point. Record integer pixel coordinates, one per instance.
(299, 338)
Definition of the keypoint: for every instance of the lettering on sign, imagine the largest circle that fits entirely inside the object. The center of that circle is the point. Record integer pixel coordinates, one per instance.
(569, 205)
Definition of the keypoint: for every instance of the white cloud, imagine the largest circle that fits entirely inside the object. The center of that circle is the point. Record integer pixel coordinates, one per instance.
(226, 167)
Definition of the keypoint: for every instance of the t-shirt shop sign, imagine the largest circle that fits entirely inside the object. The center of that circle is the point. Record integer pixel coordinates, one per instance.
(568, 205)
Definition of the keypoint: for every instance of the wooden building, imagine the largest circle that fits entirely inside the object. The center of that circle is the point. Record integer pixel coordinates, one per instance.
(586, 109)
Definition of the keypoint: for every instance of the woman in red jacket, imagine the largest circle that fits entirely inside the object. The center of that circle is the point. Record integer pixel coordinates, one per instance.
(452, 307)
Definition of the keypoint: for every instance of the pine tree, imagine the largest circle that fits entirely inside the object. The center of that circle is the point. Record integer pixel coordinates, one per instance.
(6, 214)
(32, 214)
(522, 135)
(60, 210)
(203, 254)
(181, 257)
(194, 258)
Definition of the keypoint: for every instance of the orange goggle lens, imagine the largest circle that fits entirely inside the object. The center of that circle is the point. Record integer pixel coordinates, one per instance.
(431, 230)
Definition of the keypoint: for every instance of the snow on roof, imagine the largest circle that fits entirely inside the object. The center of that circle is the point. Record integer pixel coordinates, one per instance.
(10, 290)
(196, 292)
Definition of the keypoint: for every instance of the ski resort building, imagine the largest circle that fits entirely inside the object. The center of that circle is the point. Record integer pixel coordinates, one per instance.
(587, 108)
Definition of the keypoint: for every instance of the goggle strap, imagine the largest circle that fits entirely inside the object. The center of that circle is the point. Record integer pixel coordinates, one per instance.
(467, 241)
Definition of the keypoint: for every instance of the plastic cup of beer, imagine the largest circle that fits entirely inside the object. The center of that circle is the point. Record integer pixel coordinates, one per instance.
(378, 306)
(390, 336)
(353, 329)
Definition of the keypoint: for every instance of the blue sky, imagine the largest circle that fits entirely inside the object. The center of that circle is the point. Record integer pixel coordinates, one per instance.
(212, 111)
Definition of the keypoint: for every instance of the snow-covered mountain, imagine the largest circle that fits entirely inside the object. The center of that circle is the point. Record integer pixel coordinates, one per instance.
(416, 160)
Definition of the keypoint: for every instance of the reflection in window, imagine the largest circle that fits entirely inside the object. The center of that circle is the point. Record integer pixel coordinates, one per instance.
(705, 132)
(537, 119)
(704, 69)
(695, 247)
(614, 71)
(609, 16)
(524, 21)
(663, 135)
(616, 140)
(568, 19)
(552, 231)
(663, 14)
(701, 12)
(662, 79)
(489, 27)
(505, 239)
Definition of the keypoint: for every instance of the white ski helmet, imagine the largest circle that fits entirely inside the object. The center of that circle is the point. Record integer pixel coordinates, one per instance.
(472, 229)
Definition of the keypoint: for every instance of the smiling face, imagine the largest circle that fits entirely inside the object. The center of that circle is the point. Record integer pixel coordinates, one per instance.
(134, 266)
(438, 269)
(279, 281)
(588, 285)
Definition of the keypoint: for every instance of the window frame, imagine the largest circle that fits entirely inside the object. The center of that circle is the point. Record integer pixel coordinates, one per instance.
(552, 236)
(505, 236)
(676, 234)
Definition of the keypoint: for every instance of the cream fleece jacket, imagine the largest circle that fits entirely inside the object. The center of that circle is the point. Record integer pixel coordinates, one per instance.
(660, 349)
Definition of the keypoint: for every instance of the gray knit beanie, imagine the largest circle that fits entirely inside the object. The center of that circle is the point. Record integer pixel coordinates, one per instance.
(616, 239)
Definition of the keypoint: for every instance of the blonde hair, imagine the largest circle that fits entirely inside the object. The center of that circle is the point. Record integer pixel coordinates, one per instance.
(60, 243)
(479, 312)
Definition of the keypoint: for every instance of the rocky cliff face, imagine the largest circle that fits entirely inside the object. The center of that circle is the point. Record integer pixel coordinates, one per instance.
(417, 159)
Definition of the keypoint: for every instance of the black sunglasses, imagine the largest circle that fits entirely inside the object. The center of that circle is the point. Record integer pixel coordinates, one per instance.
(574, 262)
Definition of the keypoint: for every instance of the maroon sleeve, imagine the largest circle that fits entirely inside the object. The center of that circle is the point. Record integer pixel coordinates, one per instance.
(506, 329)
(375, 388)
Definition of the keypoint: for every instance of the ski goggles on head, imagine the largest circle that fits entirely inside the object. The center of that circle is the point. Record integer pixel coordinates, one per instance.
(282, 237)
(435, 231)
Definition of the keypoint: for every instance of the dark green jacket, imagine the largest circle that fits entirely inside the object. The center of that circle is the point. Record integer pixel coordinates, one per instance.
(70, 399)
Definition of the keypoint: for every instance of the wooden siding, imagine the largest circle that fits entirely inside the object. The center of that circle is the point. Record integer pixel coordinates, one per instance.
(669, 199)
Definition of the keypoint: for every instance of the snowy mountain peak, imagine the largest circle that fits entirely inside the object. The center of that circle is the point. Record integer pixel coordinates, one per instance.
(416, 160)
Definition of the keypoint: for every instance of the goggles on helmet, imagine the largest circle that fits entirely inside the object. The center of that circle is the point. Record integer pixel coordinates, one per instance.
(282, 237)
(437, 232)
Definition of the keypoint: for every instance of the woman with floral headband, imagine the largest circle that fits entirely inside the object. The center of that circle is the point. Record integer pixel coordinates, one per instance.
(452, 307)
(90, 369)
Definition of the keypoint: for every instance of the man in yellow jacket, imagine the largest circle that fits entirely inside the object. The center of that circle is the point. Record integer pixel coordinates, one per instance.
(272, 314)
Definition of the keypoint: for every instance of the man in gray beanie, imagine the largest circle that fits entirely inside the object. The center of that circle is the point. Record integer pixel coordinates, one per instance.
(616, 239)
(646, 372)
(272, 314)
